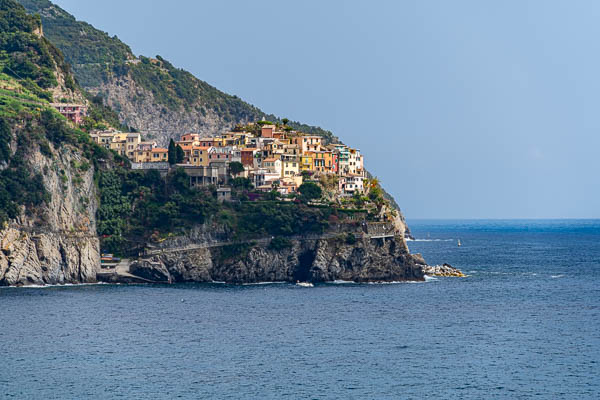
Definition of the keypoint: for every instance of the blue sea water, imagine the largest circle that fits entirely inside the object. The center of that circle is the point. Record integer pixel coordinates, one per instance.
(525, 323)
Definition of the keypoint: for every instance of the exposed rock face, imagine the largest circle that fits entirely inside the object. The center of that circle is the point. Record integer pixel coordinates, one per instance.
(56, 243)
(443, 270)
(321, 260)
(137, 108)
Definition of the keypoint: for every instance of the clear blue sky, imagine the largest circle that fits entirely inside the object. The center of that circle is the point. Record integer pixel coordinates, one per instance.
(464, 109)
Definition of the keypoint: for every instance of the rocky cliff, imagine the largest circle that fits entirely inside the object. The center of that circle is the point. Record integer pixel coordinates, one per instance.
(321, 260)
(56, 242)
(137, 107)
(53, 240)
(344, 252)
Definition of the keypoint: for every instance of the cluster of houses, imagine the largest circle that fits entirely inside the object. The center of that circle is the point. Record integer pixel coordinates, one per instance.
(274, 159)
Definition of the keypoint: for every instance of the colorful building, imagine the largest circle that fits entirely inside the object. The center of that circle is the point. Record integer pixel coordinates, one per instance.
(72, 112)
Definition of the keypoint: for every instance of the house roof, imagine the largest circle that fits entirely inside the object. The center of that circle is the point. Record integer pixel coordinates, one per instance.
(67, 105)
(159, 150)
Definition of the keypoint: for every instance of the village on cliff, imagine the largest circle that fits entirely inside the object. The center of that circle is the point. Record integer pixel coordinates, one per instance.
(270, 156)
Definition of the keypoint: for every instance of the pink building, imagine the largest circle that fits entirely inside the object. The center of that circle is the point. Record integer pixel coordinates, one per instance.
(72, 112)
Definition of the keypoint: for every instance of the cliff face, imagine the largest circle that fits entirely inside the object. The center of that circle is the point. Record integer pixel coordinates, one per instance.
(324, 258)
(55, 243)
(138, 108)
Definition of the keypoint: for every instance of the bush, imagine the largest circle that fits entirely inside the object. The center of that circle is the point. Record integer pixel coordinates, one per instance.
(236, 168)
(310, 191)
(350, 238)
(280, 243)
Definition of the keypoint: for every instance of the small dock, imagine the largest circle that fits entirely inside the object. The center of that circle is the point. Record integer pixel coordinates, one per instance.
(119, 273)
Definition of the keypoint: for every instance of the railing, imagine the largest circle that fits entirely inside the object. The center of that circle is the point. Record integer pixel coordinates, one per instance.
(380, 233)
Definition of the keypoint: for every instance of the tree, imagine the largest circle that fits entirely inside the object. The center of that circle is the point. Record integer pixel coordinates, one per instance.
(179, 154)
(285, 121)
(236, 168)
(172, 153)
(310, 191)
(242, 183)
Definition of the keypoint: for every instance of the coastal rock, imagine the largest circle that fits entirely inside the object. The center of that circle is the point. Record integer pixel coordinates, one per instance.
(151, 270)
(443, 270)
(321, 260)
(55, 243)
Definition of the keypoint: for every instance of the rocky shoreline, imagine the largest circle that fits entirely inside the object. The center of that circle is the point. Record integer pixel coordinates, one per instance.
(320, 260)
(443, 270)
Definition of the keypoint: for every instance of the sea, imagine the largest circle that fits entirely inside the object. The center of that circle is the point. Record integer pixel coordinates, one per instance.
(524, 323)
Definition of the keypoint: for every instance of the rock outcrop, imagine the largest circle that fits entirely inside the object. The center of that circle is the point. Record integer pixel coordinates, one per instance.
(314, 260)
(57, 242)
(137, 108)
(443, 270)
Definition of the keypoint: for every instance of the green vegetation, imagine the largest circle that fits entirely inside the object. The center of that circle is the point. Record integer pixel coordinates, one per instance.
(19, 185)
(176, 155)
(97, 57)
(310, 191)
(172, 152)
(22, 54)
(280, 243)
(16, 100)
(135, 205)
(350, 238)
(236, 167)
(100, 116)
(176, 89)
(94, 55)
(29, 64)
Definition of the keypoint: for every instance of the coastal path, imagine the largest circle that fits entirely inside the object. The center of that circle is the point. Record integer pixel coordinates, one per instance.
(264, 241)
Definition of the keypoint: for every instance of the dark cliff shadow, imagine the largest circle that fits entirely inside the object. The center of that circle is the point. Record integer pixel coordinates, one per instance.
(302, 270)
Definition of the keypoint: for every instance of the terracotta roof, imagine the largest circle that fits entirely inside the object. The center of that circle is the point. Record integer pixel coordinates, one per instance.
(159, 150)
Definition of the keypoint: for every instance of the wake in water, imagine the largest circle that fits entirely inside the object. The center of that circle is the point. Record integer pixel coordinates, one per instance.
(430, 240)
(59, 285)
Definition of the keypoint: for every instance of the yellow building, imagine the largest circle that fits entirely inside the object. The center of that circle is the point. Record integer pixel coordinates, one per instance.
(307, 143)
(290, 165)
(306, 162)
(104, 139)
(146, 155)
(119, 143)
(323, 161)
(159, 154)
(199, 156)
(132, 140)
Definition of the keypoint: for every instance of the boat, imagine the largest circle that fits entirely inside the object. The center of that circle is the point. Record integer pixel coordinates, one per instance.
(459, 243)
(304, 284)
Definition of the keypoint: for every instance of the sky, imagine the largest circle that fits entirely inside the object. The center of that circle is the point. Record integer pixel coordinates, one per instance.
(463, 109)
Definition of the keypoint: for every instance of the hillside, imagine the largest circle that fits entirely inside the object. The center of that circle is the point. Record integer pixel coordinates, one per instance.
(63, 197)
(150, 94)
(47, 190)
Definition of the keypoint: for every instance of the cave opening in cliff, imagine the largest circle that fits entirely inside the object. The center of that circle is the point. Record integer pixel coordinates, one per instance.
(305, 261)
